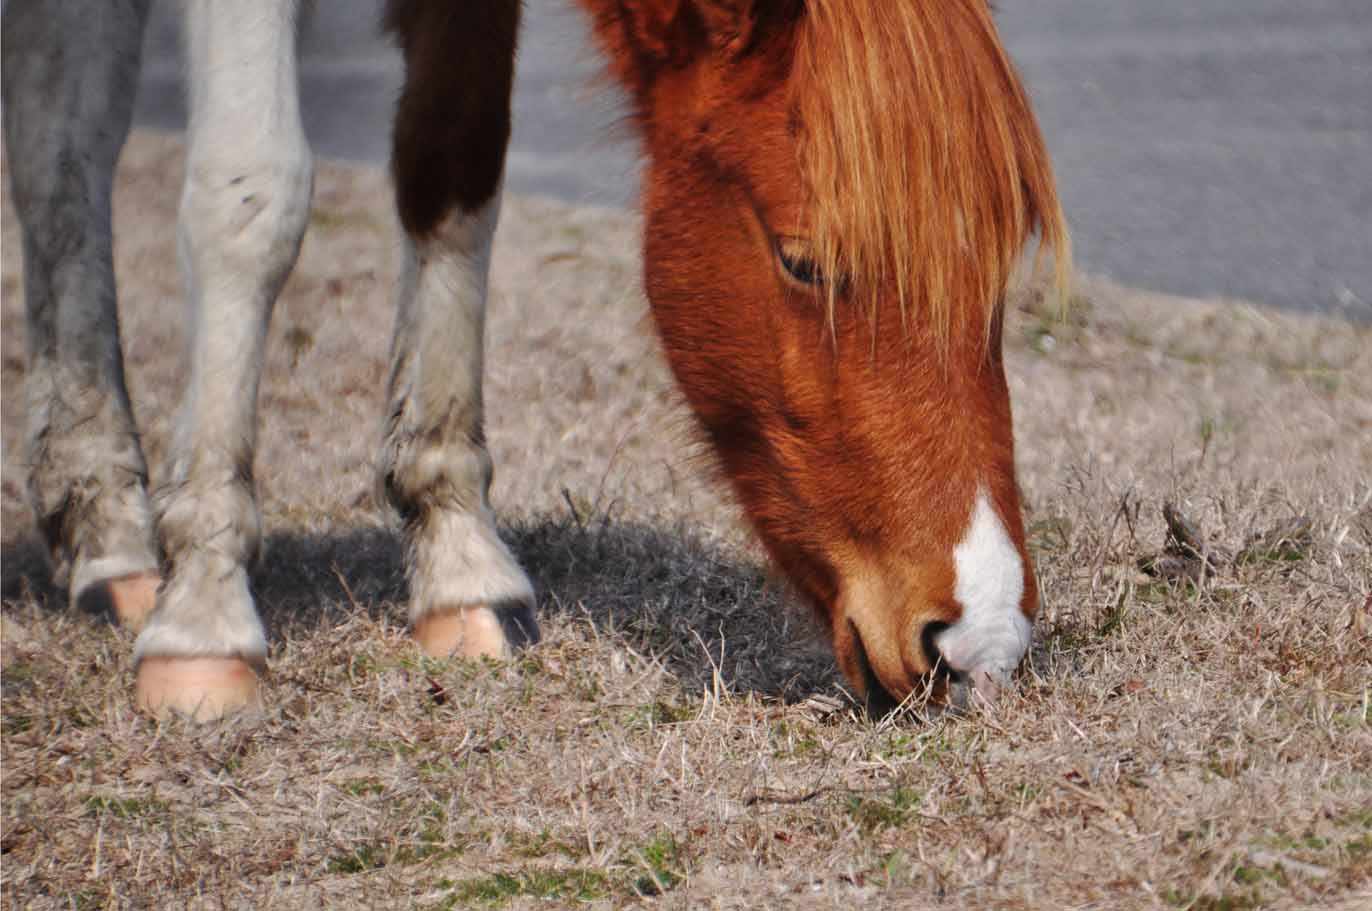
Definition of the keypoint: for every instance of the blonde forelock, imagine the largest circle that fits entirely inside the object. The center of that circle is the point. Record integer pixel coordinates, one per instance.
(925, 167)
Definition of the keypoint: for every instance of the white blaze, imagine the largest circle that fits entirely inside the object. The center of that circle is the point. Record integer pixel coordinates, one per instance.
(993, 634)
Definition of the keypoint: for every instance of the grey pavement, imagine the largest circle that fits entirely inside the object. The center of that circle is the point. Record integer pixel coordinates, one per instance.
(1203, 146)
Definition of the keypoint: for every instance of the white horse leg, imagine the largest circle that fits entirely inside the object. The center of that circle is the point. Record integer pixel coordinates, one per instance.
(468, 595)
(244, 209)
(70, 68)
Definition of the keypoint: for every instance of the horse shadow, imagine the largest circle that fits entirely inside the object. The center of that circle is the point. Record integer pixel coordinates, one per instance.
(704, 610)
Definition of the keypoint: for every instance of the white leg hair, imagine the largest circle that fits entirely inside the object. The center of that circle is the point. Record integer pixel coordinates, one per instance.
(467, 593)
(244, 208)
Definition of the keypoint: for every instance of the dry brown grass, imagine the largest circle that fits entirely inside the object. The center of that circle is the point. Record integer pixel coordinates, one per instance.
(1172, 743)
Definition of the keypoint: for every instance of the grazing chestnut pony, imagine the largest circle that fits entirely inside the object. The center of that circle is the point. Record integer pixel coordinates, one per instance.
(837, 191)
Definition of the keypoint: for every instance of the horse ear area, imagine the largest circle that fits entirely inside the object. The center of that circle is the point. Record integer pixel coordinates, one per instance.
(639, 33)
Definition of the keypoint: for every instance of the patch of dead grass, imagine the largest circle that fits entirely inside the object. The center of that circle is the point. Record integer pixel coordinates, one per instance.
(680, 738)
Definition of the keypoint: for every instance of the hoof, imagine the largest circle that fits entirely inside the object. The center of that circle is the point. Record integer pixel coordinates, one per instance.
(128, 599)
(132, 598)
(476, 631)
(201, 689)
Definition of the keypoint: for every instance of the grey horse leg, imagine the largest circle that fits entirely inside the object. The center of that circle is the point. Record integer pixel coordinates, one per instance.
(69, 72)
(244, 208)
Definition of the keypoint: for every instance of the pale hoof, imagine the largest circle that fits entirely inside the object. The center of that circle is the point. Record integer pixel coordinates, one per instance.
(476, 631)
(128, 599)
(201, 689)
(132, 598)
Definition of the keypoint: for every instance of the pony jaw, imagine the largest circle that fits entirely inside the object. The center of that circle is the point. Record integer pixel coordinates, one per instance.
(879, 618)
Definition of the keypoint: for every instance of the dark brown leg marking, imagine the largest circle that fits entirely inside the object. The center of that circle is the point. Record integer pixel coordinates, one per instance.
(453, 120)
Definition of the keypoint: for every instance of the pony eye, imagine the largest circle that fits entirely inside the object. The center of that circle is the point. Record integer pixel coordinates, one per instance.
(797, 260)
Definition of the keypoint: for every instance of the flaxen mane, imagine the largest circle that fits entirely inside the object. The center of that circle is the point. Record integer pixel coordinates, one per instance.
(926, 166)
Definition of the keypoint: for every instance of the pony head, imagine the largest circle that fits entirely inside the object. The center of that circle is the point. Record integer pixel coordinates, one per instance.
(835, 196)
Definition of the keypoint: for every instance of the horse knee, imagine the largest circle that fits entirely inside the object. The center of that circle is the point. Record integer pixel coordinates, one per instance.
(243, 220)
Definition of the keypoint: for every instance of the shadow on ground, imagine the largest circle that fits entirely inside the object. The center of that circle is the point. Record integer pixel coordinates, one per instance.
(662, 591)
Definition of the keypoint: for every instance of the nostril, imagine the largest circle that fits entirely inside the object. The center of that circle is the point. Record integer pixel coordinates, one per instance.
(928, 641)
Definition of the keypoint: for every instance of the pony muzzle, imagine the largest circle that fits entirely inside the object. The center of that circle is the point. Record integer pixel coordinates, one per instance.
(927, 656)
(980, 659)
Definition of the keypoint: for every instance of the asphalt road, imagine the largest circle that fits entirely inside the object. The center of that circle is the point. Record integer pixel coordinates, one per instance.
(1203, 146)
